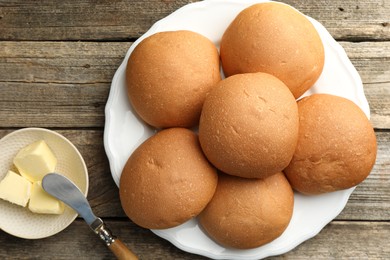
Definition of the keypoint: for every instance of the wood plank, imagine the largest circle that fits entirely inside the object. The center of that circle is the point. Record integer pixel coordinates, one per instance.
(124, 20)
(350, 20)
(370, 200)
(60, 62)
(71, 80)
(333, 242)
(68, 82)
(372, 61)
(106, 20)
(342, 240)
(52, 105)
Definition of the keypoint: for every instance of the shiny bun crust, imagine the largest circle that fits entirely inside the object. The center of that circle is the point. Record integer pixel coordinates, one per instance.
(249, 125)
(168, 75)
(167, 180)
(247, 213)
(336, 146)
(276, 39)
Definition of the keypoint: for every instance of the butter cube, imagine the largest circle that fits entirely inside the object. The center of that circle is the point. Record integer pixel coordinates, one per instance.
(15, 189)
(42, 202)
(35, 161)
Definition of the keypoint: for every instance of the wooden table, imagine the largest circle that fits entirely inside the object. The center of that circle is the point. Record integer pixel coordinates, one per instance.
(57, 60)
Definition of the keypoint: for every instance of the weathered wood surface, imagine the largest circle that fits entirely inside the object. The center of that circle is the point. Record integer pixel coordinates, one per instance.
(57, 59)
(70, 81)
(125, 20)
(338, 240)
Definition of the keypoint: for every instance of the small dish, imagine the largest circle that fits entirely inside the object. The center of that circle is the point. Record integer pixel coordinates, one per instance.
(21, 222)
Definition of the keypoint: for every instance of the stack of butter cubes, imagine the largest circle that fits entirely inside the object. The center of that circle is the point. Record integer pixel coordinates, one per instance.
(33, 162)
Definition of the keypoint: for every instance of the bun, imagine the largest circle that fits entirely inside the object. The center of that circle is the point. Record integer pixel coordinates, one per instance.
(336, 146)
(276, 39)
(167, 180)
(168, 76)
(247, 213)
(249, 125)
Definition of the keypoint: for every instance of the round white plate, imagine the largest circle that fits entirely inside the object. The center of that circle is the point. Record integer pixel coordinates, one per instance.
(124, 130)
(21, 222)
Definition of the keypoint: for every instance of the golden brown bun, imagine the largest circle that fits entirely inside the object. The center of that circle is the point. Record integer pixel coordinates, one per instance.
(249, 125)
(336, 146)
(277, 39)
(167, 180)
(168, 76)
(247, 213)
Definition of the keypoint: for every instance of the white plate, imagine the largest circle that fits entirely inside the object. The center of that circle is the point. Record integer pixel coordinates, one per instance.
(20, 221)
(124, 131)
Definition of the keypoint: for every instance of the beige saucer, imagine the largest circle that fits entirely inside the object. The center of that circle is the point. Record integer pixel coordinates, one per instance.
(19, 221)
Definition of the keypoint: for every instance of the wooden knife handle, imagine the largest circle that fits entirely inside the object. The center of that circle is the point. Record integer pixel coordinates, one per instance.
(114, 244)
(121, 251)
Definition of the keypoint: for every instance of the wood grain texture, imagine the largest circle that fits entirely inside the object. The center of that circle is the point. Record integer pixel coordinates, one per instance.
(339, 240)
(81, 20)
(57, 60)
(60, 62)
(123, 20)
(121, 251)
(67, 81)
(372, 61)
(333, 242)
(70, 81)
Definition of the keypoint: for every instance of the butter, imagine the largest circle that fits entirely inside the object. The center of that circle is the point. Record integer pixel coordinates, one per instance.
(42, 202)
(15, 189)
(35, 161)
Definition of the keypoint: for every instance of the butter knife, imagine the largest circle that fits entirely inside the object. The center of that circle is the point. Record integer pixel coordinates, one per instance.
(65, 190)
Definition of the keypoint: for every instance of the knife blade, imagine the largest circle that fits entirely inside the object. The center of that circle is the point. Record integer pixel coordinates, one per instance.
(65, 190)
